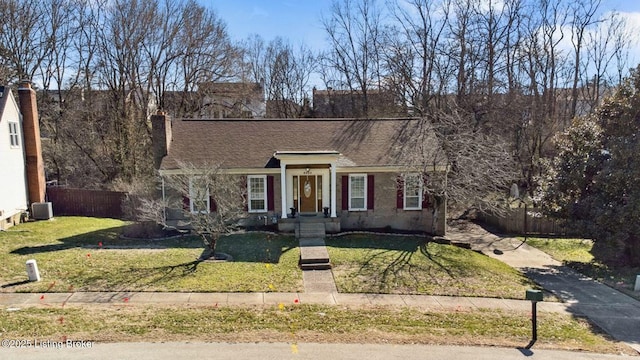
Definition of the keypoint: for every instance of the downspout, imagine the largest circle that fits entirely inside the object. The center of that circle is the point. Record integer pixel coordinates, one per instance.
(164, 201)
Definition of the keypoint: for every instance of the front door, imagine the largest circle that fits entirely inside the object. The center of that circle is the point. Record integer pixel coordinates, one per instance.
(307, 194)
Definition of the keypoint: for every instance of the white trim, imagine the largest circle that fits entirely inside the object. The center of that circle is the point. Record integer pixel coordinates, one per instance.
(301, 173)
(333, 190)
(405, 192)
(14, 134)
(192, 196)
(275, 171)
(364, 202)
(283, 189)
(234, 171)
(264, 195)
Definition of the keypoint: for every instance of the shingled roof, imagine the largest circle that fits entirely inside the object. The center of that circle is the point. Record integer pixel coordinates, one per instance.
(251, 143)
(4, 95)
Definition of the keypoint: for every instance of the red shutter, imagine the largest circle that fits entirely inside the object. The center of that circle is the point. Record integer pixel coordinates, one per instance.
(425, 201)
(213, 207)
(271, 206)
(185, 203)
(400, 193)
(425, 195)
(370, 192)
(345, 192)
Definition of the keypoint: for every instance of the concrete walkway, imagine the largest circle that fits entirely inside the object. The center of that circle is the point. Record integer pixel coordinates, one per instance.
(613, 311)
(314, 258)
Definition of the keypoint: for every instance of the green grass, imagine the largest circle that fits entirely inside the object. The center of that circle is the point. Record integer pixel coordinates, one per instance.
(574, 250)
(293, 323)
(70, 259)
(577, 254)
(410, 265)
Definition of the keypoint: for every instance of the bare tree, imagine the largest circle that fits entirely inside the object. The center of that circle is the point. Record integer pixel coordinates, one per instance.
(354, 29)
(584, 16)
(467, 168)
(605, 48)
(413, 58)
(207, 54)
(211, 200)
(284, 71)
(24, 39)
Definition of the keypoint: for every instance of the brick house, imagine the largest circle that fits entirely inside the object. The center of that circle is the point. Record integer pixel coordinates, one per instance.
(350, 167)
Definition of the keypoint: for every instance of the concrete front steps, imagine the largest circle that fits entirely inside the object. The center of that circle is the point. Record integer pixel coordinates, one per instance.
(313, 251)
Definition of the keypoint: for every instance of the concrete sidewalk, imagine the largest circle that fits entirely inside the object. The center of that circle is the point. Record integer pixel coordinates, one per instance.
(613, 311)
(422, 302)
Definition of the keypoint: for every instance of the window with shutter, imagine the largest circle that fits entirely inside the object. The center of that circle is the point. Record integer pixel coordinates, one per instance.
(412, 192)
(257, 193)
(357, 192)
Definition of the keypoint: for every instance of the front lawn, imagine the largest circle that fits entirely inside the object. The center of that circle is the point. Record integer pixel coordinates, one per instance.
(86, 254)
(410, 265)
(576, 253)
(303, 323)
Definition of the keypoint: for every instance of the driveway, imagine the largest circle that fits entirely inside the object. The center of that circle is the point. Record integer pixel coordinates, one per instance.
(614, 312)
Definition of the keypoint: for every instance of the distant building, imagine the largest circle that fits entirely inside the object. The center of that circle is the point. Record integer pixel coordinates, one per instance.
(218, 100)
(232, 100)
(332, 103)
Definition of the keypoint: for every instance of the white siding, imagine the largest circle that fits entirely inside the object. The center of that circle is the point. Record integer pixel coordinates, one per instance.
(13, 185)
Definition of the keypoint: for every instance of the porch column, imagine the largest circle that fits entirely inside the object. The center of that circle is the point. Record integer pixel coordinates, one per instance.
(333, 190)
(283, 188)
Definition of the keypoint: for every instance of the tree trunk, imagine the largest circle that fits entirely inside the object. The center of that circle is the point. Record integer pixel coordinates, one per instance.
(209, 241)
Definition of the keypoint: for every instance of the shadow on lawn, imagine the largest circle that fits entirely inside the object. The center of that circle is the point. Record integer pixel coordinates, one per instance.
(243, 247)
(144, 277)
(393, 256)
(109, 239)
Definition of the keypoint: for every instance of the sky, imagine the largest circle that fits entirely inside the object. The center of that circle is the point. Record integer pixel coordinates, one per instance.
(296, 20)
(299, 20)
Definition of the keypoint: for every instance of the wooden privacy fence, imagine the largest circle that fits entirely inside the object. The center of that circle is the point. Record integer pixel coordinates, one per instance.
(513, 222)
(81, 202)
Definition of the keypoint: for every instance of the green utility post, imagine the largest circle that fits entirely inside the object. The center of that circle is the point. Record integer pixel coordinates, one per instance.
(534, 296)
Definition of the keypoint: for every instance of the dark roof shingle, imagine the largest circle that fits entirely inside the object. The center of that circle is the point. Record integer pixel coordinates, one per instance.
(251, 143)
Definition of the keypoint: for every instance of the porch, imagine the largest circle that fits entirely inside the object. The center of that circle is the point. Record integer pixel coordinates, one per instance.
(331, 224)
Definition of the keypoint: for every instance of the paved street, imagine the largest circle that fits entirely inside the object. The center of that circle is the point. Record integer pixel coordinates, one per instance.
(279, 351)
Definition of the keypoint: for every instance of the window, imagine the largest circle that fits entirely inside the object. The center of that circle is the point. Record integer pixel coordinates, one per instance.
(412, 192)
(257, 190)
(358, 192)
(198, 195)
(14, 139)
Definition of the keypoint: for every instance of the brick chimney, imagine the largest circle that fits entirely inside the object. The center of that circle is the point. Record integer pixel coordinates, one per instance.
(160, 136)
(32, 144)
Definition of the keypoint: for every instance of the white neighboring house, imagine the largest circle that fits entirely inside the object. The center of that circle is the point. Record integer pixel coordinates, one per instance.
(22, 180)
(13, 175)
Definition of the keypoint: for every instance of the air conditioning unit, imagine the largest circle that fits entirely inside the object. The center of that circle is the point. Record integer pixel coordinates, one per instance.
(42, 211)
